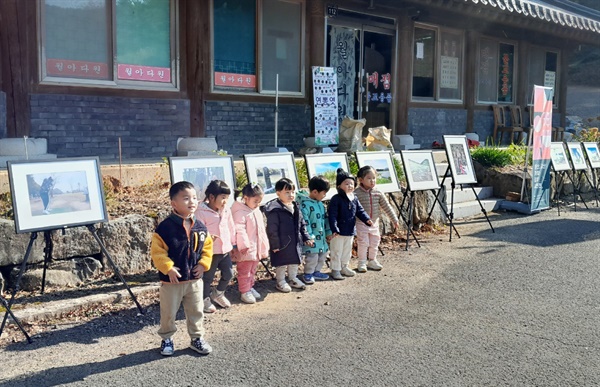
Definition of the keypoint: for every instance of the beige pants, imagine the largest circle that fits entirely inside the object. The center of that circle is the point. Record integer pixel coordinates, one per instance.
(340, 251)
(171, 297)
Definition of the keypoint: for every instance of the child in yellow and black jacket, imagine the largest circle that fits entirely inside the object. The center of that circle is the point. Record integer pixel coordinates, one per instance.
(181, 251)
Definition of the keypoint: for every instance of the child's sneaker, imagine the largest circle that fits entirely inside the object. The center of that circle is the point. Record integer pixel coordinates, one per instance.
(248, 298)
(309, 279)
(362, 267)
(283, 287)
(318, 276)
(297, 284)
(208, 306)
(346, 271)
(219, 298)
(166, 347)
(200, 346)
(374, 265)
(256, 294)
(336, 275)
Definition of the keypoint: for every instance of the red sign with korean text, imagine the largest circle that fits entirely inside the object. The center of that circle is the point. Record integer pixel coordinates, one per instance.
(76, 69)
(144, 73)
(235, 80)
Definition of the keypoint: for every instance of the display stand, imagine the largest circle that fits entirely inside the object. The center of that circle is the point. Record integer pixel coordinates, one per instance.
(577, 188)
(406, 222)
(560, 179)
(583, 173)
(48, 247)
(449, 215)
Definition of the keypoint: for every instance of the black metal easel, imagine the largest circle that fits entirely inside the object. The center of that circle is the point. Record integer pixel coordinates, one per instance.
(48, 247)
(576, 189)
(406, 222)
(560, 179)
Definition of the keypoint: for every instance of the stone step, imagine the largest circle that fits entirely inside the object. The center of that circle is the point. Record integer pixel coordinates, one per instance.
(439, 156)
(472, 208)
(466, 195)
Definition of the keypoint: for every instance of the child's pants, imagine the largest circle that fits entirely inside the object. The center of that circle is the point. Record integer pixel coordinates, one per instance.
(367, 240)
(340, 251)
(171, 296)
(314, 262)
(280, 273)
(246, 271)
(223, 263)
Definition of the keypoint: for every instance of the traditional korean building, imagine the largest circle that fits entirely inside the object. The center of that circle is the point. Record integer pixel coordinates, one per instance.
(86, 73)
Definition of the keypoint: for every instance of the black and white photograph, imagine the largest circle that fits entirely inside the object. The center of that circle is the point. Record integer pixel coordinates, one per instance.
(267, 168)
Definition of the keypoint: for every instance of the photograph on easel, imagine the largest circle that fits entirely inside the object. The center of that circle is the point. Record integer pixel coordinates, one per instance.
(592, 153)
(266, 169)
(420, 171)
(326, 165)
(200, 171)
(576, 156)
(55, 194)
(459, 159)
(558, 157)
(387, 180)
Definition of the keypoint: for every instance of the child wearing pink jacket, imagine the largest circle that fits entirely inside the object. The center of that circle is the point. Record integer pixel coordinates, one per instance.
(251, 240)
(216, 216)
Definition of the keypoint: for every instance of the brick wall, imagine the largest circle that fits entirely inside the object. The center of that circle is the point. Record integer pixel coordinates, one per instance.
(2, 114)
(483, 125)
(241, 127)
(429, 124)
(78, 125)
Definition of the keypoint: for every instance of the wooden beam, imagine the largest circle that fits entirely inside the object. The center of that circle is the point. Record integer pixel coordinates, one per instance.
(196, 51)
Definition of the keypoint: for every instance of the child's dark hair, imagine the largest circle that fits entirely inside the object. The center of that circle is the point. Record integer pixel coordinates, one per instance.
(250, 190)
(365, 170)
(216, 188)
(319, 183)
(178, 187)
(284, 183)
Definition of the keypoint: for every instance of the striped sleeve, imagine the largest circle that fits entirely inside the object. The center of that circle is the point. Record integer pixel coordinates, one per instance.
(387, 208)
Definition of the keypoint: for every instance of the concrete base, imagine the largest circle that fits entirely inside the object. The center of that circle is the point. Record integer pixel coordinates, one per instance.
(46, 156)
(520, 207)
(408, 147)
(273, 149)
(200, 146)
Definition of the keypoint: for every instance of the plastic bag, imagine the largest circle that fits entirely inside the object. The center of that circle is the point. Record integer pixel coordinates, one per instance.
(378, 139)
(351, 135)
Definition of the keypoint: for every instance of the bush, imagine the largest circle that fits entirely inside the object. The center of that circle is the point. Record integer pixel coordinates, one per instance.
(587, 135)
(492, 157)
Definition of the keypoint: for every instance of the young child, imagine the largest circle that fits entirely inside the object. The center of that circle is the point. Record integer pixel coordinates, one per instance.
(344, 208)
(317, 226)
(216, 216)
(373, 201)
(286, 231)
(181, 250)
(252, 241)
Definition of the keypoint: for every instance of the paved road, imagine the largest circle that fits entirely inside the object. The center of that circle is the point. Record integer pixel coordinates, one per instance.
(518, 307)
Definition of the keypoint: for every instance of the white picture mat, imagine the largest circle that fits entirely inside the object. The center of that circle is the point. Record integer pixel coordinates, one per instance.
(429, 180)
(179, 165)
(26, 222)
(463, 171)
(593, 153)
(383, 163)
(577, 156)
(272, 161)
(559, 157)
(330, 161)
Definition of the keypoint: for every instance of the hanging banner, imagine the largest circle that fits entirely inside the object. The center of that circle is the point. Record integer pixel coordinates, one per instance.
(325, 98)
(542, 137)
(342, 58)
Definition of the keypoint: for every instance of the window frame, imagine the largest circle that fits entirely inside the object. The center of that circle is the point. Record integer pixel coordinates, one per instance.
(546, 50)
(260, 91)
(439, 31)
(173, 85)
(515, 81)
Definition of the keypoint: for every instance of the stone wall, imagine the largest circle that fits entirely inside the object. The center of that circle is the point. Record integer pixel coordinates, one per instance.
(242, 127)
(77, 125)
(429, 124)
(483, 125)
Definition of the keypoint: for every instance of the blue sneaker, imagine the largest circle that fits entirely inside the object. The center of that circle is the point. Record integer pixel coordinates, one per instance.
(309, 279)
(320, 276)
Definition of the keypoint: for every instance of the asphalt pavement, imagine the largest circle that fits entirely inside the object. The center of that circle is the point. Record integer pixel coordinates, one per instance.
(517, 307)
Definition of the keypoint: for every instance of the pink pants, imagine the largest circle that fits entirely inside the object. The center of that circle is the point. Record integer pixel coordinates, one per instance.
(367, 241)
(246, 272)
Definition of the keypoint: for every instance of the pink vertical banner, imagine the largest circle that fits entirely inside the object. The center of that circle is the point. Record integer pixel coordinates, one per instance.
(542, 137)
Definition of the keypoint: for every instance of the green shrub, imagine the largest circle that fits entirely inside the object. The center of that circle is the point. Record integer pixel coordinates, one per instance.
(517, 154)
(492, 156)
(302, 174)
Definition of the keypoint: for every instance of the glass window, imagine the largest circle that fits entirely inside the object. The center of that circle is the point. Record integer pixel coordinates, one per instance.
(423, 63)
(451, 66)
(495, 72)
(248, 56)
(77, 41)
(542, 71)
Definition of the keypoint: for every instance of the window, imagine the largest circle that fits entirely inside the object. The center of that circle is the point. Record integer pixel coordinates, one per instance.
(437, 64)
(542, 71)
(256, 40)
(495, 72)
(79, 41)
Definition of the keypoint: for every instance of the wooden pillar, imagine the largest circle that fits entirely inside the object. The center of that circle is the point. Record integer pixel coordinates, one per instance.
(196, 49)
(523, 74)
(316, 39)
(403, 73)
(470, 83)
(14, 46)
(562, 87)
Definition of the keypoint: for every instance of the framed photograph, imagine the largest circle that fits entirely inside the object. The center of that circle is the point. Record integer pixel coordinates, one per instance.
(420, 171)
(387, 180)
(55, 194)
(577, 157)
(267, 168)
(592, 153)
(200, 171)
(326, 165)
(459, 159)
(558, 157)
